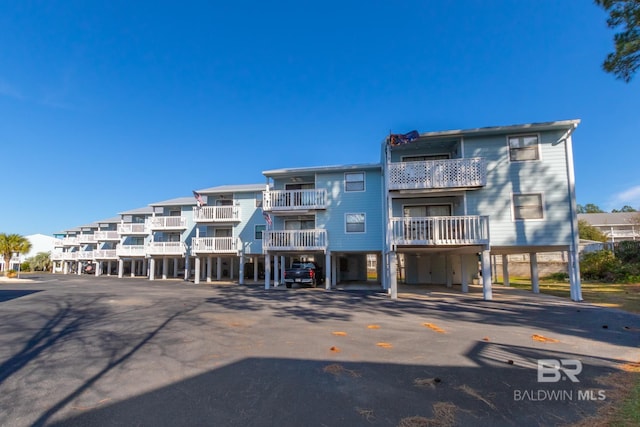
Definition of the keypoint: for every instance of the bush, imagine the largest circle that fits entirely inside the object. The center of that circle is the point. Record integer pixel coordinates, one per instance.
(600, 265)
(25, 266)
(558, 277)
(12, 273)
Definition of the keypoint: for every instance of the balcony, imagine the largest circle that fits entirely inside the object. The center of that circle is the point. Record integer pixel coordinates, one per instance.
(125, 251)
(57, 243)
(158, 223)
(440, 231)
(84, 255)
(70, 241)
(295, 240)
(133, 229)
(214, 245)
(217, 214)
(105, 254)
(107, 236)
(166, 248)
(64, 256)
(86, 239)
(438, 174)
(294, 200)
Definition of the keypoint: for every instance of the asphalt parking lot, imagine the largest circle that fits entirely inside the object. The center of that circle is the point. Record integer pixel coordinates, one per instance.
(102, 351)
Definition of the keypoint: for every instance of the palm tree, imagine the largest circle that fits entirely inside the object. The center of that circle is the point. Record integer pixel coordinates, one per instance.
(11, 243)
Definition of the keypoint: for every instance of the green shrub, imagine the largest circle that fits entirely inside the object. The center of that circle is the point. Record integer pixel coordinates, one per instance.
(25, 266)
(600, 265)
(558, 277)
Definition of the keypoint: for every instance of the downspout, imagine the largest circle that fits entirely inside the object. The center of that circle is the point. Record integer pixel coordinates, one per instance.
(574, 270)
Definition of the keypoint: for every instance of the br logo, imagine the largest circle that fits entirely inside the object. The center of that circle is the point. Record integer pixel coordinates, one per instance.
(553, 370)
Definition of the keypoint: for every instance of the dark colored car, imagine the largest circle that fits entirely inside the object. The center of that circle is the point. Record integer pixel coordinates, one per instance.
(303, 273)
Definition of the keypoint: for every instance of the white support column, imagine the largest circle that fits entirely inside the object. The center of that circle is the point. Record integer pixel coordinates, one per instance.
(393, 275)
(196, 275)
(78, 268)
(256, 261)
(575, 285)
(98, 268)
(175, 268)
(276, 271)
(535, 282)
(334, 275)
(232, 268)
(187, 267)
(134, 267)
(241, 272)
(209, 268)
(120, 268)
(464, 280)
(505, 270)
(145, 267)
(109, 268)
(267, 271)
(219, 268)
(485, 261)
(165, 268)
(65, 267)
(152, 269)
(282, 268)
(328, 271)
(448, 265)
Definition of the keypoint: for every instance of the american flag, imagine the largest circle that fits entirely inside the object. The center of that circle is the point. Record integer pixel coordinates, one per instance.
(397, 139)
(199, 198)
(267, 218)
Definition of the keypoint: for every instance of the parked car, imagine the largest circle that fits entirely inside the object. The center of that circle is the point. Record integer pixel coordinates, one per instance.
(303, 273)
(89, 268)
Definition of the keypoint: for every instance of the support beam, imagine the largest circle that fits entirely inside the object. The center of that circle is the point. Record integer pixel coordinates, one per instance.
(187, 268)
(209, 268)
(276, 271)
(165, 268)
(175, 268)
(393, 275)
(219, 268)
(328, 271)
(196, 275)
(464, 280)
(535, 282)
(267, 271)
(448, 265)
(120, 268)
(109, 268)
(152, 269)
(505, 270)
(256, 262)
(485, 261)
(241, 272)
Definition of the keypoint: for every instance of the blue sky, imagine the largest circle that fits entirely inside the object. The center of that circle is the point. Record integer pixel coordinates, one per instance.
(110, 106)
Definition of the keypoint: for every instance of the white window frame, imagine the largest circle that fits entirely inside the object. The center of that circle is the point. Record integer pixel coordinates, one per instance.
(346, 223)
(364, 180)
(513, 206)
(255, 231)
(524, 135)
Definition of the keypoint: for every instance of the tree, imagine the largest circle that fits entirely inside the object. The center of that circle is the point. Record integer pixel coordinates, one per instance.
(623, 14)
(625, 208)
(589, 208)
(41, 261)
(11, 243)
(589, 232)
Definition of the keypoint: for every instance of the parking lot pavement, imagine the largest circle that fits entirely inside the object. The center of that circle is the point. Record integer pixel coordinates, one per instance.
(86, 351)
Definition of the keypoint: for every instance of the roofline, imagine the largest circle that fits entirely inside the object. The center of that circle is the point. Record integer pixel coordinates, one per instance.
(314, 169)
(238, 188)
(490, 130)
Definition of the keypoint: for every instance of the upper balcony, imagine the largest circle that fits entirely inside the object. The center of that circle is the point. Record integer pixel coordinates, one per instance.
(84, 255)
(438, 174)
(70, 241)
(159, 223)
(215, 245)
(217, 214)
(440, 231)
(166, 248)
(105, 254)
(131, 250)
(64, 256)
(86, 239)
(294, 201)
(295, 240)
(107, 236)
(133, 229)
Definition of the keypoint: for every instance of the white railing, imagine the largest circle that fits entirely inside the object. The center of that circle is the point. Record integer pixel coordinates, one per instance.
(104, 254)
(440, 230)
(216, 214)
(449, 173)
(166, 248)
(212, 245)
(131, 250)
(108, 235)
(57, 243)
(70, 241)
(84, 255)
(86, 238)
(167, 222)
(133, 229)
(288, 200)
(64, 256)
(295, 240)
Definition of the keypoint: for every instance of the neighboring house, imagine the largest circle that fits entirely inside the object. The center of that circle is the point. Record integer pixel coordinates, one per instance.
(331, 215)
(135, 234)
(39, 243)
(616, 226)
(66, 249)
(435, 210)
(229, 230)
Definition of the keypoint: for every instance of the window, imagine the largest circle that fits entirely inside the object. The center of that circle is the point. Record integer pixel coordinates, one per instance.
(354, 181)
(523, 147)
(259, 230)
(259, 199)
(354, 222)
(527, 206)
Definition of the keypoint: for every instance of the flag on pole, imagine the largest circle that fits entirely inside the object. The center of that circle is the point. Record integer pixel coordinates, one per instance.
(398, 139)
(267, 218)
(199, 198)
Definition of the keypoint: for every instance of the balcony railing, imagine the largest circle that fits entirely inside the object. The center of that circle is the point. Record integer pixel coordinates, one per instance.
(64, 256)
(57, 243)
(295, 240)
(167, 223)
(86, 238)
(84, 255)
(131, 250)
(449, 173)
(216, 214)
(166, 248)
(214, 245)
(133, 229)
(440, 230)
(294, 200)
(70, 241)
(105, 254)
(106, 236)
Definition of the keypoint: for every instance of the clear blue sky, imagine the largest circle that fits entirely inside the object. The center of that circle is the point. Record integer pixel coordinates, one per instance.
(110, 106)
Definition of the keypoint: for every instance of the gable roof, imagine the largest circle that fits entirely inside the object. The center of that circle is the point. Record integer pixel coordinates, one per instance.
(609, 219)
(238, 188)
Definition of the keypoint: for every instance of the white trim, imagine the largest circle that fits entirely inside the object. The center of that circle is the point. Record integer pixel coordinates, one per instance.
(403, 158)
(528, 193)
(364, 181)
(364, 214)
(428, 204)
(255, 232)
(519, 135)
